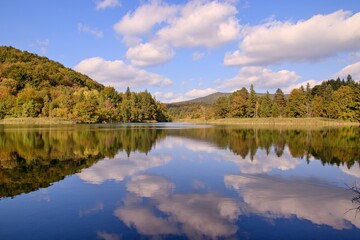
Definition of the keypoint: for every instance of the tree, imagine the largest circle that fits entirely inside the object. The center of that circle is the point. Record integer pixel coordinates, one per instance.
(296, 106)
(221, 107)
(279, 103)
(252, 103)
(266, 106)
(317, 106)
(345, 97)
(6, 101)
(238, 103)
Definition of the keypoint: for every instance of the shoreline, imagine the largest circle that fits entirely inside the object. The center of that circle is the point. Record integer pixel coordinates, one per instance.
(310, 122)
(268, 122)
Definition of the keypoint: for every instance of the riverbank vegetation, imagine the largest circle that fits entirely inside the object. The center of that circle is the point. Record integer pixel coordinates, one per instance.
(333, 100)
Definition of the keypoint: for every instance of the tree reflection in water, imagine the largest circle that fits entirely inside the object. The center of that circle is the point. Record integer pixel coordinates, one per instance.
(34, 157)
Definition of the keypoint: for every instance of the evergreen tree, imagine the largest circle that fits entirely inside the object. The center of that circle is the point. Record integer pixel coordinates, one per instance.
(252, 103)
(221, 107)
(296, 106)
(279, 103)
(266, 106)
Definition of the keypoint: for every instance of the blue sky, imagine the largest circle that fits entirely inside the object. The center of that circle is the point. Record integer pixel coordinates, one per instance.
(180, 50)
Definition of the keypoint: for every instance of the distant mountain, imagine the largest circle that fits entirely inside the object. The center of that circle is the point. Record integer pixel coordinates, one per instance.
(209, 99)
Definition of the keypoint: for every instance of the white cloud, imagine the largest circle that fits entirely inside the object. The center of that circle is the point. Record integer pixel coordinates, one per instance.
(145, 221)
(202, 214)
(198, 55)
(118, 74)
(103, 4)
(120, 167)
(195, 24)
(195, 93)
(194, 215)
(192, 94)
(291, 87)
(319, 37)
(150, 186)
(149, 54)
(202, 24)
(143, 19)
(107, 236)
(317, 201)
(261, 78)
(42, 45)
(353, 171)
(87, 29)
(352, 69)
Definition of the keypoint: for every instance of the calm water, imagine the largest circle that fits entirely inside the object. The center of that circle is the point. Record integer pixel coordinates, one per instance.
(178, 181)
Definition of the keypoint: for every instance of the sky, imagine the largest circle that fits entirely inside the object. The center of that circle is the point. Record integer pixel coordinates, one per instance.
(184, 49)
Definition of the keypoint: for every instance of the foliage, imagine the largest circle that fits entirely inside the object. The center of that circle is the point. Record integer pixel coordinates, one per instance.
(33, 86)
(333, 99)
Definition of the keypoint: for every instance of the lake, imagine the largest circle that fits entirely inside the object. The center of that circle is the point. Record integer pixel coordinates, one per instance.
(178, 181)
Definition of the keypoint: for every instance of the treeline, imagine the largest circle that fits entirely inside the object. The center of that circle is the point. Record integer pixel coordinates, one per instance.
(334, 99)
(33, 158)
(33, 86)
(334, 146)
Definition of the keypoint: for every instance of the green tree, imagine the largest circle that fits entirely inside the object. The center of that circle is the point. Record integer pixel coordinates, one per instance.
(296, 106)
(317, 106)
(221, 107)
(266, 106)
(345, 98)
(6, 101)
(252, 103)
(279, 103)
(238, 103)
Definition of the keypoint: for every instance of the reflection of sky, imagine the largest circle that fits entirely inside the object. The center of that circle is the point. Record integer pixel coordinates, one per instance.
(193, 189)
(306, 198)
(121, 166)
(194, 215)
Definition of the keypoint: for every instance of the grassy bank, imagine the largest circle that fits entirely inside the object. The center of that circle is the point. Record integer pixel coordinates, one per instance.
(35, 121)
(274, 121)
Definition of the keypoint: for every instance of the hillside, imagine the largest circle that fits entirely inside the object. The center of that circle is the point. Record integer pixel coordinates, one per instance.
(26, 68)
(37, 87)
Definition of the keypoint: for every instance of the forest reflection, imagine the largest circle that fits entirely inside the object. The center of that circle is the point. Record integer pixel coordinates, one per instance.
(33, 158)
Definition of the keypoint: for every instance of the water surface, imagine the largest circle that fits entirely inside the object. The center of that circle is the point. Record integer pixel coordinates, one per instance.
(177, 181)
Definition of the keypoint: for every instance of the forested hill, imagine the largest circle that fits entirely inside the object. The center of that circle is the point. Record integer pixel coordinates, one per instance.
(30, 69)
(34, 86)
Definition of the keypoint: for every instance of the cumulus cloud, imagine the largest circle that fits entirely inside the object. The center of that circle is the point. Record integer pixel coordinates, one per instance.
(120, 167)
(87, 29)
(150, 186)
(261, 78)
(194, 24)
(312, 39)
(145, 221)
(311, 199)
(312, 83)
(118, 74)
(352, 69)
(202, 24)
(149, 54)
(143, 19)
(103, 4)
(202, 214)
(195, 215)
